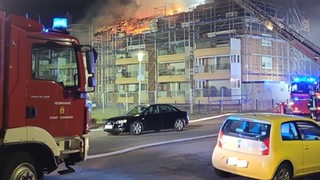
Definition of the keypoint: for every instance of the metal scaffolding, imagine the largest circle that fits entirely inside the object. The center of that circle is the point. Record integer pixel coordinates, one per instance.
(208, 26)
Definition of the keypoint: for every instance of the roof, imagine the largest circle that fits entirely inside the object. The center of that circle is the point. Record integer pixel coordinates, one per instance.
(268, 117)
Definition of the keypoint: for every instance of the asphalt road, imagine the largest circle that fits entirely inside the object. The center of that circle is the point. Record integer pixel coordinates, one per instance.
(147, 155)
(183, 160)
(102, 142)
(152, 155)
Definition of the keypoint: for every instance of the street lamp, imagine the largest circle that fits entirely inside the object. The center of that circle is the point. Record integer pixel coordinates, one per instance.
(140, 77)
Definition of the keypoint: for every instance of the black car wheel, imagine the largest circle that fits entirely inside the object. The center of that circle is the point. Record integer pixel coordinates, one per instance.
(179, 125)
(136, 128)
(284, 172)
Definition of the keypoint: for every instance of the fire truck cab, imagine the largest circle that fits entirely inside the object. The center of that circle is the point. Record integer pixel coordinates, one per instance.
(45, 77)
(301, 90)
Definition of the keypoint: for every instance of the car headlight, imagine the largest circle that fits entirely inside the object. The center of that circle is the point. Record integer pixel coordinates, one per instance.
(122, 121)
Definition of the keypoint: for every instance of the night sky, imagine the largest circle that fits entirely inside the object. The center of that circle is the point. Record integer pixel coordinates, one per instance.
(45, 10)
(77, 10)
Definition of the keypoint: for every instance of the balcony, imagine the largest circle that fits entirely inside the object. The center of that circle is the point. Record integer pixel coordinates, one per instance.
(212, 51)
(211, 72)
(172, 75)
(171, 58)
(172, 96)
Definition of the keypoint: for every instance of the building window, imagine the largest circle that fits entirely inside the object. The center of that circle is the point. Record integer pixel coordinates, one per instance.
(266, 43)
(235, 83)
(223, 62)
(199, 62)
(266, 62)
(199, 84)
(172, 69)
(235, 58)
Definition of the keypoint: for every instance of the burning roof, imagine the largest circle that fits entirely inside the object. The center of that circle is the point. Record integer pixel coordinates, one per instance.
(136, 25)
(129, 26)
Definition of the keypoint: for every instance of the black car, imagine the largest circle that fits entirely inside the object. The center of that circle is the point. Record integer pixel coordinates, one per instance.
(148, 117)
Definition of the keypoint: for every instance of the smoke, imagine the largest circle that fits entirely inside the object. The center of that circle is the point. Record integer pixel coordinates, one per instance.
(106, 11)
(310, 10)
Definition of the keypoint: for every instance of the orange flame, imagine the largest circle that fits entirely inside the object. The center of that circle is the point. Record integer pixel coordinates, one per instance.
(134, 26)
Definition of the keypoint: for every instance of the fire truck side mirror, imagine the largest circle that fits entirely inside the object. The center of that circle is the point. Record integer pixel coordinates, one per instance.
(91, 59)
(95, 55)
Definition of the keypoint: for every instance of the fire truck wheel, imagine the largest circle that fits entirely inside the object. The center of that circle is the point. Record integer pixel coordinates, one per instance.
(21, 165)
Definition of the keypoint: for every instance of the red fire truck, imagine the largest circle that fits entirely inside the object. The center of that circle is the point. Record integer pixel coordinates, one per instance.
(300, 92)
(299, 96)
(45, 76)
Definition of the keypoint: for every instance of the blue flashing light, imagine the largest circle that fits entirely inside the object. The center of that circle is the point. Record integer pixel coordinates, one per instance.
(60, 23)
(296, 79)
(295, 98)
(305, 79)
(311, 79)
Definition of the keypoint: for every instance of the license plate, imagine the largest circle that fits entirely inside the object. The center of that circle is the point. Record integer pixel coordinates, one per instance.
(108, 126)
(234, 161)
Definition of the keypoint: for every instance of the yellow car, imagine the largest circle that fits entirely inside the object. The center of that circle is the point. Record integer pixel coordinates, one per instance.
(267, 146)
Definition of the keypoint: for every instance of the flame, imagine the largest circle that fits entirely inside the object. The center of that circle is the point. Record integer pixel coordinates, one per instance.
(174, 10)
(130, 26)
(133, 26)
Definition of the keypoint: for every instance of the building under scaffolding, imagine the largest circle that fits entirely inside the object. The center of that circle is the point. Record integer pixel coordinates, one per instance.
(213, 53)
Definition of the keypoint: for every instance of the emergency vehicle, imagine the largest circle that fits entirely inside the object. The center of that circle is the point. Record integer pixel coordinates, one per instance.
(45, 75)
(301, 90)
(299, 96)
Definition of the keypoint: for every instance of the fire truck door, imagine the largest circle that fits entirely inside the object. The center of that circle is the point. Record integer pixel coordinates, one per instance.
(52, 101)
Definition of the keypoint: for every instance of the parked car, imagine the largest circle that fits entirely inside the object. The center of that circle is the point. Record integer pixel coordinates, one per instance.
(267, 146)
(148, 117)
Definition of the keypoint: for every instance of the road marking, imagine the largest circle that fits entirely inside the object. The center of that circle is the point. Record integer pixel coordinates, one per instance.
(146, 146)
(208, 118)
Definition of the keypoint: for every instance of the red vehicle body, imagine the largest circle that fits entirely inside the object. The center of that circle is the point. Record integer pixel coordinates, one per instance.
(44, 118)
(300, 93)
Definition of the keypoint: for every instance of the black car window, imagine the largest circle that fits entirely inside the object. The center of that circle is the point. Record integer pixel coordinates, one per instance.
(154, 110)
(308, 130)
(151, 110)
(172, 108)
(135, 110)
(164, 109)
(148, 110)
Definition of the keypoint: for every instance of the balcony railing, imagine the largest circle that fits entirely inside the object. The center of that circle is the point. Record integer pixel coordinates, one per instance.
(180, 93)
(171, 72)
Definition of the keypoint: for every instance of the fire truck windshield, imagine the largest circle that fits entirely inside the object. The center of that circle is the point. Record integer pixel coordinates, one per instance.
(56, 63)
(302, 87)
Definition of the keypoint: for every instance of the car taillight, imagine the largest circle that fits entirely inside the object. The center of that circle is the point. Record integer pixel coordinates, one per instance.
(220, 139)
(265, 146)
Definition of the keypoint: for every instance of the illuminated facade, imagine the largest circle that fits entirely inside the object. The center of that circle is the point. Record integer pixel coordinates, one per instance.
(215, 51)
